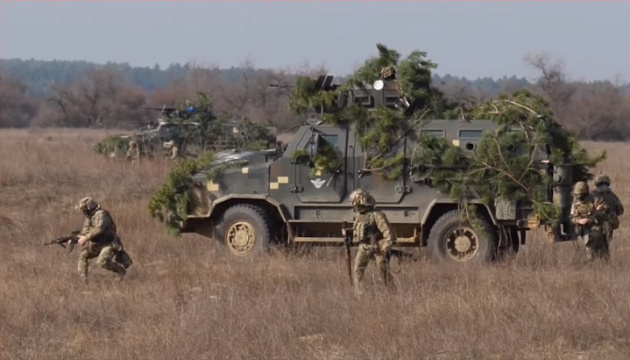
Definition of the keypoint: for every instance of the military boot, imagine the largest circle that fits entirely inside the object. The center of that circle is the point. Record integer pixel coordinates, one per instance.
(117, 268)
(123, 258)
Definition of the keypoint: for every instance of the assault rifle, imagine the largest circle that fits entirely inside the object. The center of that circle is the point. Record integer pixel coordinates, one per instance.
(392, 252)
(73, 238)
(401, 254)
(598, 215)
(348, 243)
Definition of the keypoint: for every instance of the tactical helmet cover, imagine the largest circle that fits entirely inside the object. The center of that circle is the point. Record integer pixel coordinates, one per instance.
(362, 198)
(87, 204)
(602, 179)
(580, 188)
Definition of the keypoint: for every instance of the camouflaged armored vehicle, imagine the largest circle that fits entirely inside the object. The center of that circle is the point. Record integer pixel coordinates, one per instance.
(267, 197)
(224, 135)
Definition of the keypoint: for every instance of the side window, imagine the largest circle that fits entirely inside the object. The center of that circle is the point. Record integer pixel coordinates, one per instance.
(470, 134)
(322, 144)
(327, 141)
(434, 133)
(323, 151)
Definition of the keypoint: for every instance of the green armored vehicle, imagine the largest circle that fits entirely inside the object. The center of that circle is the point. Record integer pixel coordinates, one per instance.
(266, 197)
(190, 135)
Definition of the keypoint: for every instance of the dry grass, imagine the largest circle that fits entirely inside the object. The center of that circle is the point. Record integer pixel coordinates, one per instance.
(179, 301)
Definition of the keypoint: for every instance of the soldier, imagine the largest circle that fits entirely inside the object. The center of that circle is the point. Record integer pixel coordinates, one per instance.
(603, 191)
(590, 221)
(388, 73)
(173, 149)
(133, 153)
(375, 236)
(99, 232)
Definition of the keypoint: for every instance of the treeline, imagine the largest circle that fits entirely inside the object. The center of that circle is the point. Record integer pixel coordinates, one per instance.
(82, 94)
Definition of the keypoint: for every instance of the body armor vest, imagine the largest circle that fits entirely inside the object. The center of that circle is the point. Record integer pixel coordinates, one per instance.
(365, 227)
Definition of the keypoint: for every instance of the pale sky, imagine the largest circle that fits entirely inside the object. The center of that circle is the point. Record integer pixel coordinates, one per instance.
(472, 39)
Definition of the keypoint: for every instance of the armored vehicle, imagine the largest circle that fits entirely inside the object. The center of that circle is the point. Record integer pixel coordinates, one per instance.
(265, 198)
(186, 134)
(150, 140)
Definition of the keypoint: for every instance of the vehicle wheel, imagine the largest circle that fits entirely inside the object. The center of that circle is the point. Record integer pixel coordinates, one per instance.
(243, 232)
(452, 239)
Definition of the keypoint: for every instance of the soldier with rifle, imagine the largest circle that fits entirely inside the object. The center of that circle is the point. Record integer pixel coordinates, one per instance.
(591, 220)
(375, 236)
(614, 206)
(99, 234)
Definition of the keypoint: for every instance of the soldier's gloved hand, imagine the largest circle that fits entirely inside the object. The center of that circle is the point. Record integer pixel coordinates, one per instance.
(82, 240)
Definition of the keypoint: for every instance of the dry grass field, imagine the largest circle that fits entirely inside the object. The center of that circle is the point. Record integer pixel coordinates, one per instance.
(180, 301)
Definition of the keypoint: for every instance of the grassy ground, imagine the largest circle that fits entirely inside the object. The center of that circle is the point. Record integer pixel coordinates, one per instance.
(180, 301)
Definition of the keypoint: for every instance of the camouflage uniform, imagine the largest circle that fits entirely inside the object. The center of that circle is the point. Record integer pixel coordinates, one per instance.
(375, 236)
(102, 241)
(593, 231)
(615, 208)
(173, 147)
(133, 153)
(388, 73)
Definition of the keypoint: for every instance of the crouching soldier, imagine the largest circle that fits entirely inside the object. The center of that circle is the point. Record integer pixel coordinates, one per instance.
(99, 233)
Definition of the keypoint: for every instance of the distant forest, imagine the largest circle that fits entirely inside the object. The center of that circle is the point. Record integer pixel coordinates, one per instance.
(82, 94)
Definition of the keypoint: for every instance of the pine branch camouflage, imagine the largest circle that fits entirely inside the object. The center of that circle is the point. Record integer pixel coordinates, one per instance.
(506, 163)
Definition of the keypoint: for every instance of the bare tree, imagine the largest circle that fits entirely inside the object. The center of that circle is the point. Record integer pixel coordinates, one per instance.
(599, 111)
(102, 98)
(16, 107)
(552, 80)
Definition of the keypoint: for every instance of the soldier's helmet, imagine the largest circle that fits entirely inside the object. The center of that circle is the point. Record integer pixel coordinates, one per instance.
(362, 199)
(580, 188)
(133, 144)
(87, 204)
(602, 179)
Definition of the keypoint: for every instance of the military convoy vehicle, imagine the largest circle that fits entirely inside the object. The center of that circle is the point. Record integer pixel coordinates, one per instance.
(184, 133)
(266, 198)
(150, 140)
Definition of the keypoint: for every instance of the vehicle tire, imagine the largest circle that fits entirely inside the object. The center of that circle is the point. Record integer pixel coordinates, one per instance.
(243, 232)
(454, 240)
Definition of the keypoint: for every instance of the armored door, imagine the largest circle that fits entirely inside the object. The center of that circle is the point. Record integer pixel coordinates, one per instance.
(384, 190)
(322, 178)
